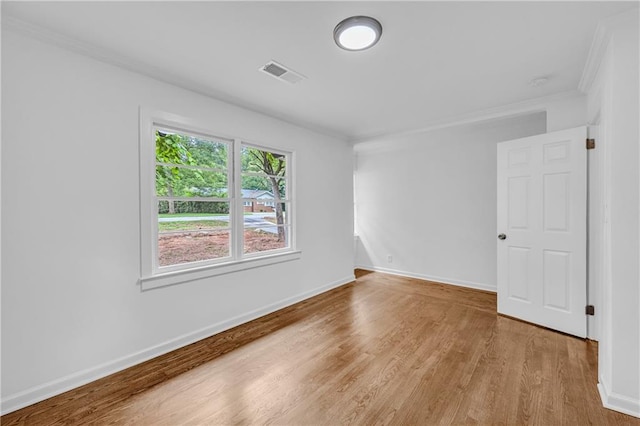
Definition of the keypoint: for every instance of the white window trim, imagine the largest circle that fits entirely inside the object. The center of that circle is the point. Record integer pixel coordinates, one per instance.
(187, 275)
(152, 276)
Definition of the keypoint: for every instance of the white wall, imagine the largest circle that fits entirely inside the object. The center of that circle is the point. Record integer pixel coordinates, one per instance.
(614, 105)
(71, 307)
(566, 113)
(429, 201)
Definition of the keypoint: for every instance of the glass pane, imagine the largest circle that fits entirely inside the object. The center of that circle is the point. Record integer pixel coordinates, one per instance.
(176, 148)
(259, 161)
(264, 239)
(185, 247)
(262, 187)
(180, 182)
(191, 231)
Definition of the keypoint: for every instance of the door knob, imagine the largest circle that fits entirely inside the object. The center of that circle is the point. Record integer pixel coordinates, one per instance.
(502, 237)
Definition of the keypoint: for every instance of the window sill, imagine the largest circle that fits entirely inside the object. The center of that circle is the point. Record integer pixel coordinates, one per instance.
(179, 277)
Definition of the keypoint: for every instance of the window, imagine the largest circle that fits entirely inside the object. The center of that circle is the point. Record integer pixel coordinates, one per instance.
(192, 192)
(210, 204)
(264, 174)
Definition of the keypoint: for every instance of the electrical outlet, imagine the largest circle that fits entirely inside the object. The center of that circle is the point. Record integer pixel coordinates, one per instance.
(390, 259)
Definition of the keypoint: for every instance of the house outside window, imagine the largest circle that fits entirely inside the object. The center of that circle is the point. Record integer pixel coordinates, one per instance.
(258, 201)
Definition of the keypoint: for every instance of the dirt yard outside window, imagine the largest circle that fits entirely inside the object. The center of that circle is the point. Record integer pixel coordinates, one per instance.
(175, 249)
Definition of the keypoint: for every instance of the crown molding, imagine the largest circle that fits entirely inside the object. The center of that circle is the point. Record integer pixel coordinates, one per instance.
(113, 58)
(596, 53)
(529, 106)
(599, 44)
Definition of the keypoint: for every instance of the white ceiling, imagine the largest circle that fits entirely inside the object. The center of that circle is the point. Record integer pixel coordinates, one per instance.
(435, 61)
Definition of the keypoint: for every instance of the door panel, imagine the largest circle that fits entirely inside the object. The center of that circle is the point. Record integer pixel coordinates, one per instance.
(556, 267)
(556, 203)
(519, 202)
(542, 212)
(519, 261)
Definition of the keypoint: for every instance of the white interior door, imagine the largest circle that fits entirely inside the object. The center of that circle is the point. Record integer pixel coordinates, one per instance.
(542, 227)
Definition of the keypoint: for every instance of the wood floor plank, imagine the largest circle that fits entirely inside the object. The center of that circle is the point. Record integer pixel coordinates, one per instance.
(385, 350)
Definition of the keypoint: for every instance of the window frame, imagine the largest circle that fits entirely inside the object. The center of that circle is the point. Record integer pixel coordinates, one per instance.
(158, 269)
(288, 200)
(151, 274)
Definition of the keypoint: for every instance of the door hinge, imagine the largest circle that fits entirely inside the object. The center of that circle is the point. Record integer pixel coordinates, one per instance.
(590, 310)
(591, 143)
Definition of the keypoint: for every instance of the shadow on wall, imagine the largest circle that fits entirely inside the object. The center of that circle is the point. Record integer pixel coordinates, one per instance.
(362, 258)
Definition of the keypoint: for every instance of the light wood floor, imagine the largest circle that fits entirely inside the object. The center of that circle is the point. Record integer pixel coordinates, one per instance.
(384, 350)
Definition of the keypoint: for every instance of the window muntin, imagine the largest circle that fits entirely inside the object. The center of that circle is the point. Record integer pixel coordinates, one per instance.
(203, 184)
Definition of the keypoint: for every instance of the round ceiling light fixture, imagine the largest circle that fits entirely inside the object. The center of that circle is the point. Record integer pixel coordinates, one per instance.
(357, 33)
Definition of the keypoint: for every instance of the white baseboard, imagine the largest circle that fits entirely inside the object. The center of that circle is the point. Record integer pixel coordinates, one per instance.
(459, 283)
(47, 390)
(617, 402)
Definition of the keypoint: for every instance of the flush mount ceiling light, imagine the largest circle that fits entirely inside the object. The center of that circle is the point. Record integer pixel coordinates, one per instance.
(357, 33)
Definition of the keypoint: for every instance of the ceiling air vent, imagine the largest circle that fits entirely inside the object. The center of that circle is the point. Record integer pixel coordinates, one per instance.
(281, 72)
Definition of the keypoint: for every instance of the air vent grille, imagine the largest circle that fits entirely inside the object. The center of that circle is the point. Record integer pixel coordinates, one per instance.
(281, 72)
(275, 70)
